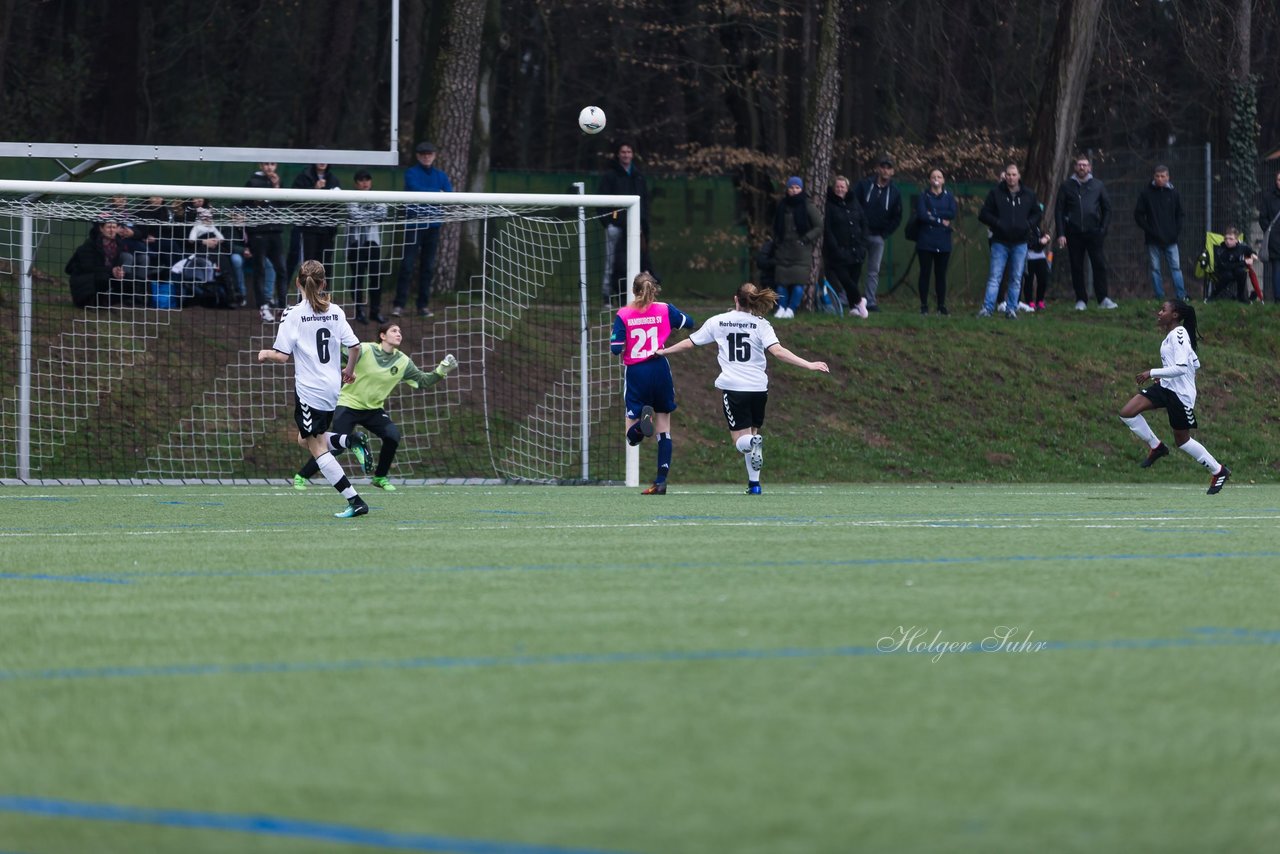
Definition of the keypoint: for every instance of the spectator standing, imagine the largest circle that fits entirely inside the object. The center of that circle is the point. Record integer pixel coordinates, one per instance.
(266, 244)
(314, 242)
(796, 225)
(1010, 211)
(882, 204)
(623, 178)
(421, 235)
(364, 243)
(1083, 214)
(1159, 214)
(1268, 214)
(844, 244)
(936, 210)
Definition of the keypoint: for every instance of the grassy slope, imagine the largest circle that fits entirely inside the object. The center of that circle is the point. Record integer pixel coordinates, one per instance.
(962, 399)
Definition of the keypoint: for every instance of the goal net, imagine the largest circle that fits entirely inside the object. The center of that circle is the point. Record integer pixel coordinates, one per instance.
(141, 367)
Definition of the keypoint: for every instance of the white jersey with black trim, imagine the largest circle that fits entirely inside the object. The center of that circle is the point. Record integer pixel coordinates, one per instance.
(742, 339)
(1179, 364)
(315, 341)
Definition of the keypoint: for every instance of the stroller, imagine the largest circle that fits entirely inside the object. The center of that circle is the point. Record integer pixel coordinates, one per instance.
(1214, 288)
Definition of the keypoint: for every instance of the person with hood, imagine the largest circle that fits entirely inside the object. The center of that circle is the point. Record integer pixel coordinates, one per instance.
(936, 211)
(796, 225)
(1083, 215)
(844, 243)
(882, 204)
(1010, 212)
(1159, 214)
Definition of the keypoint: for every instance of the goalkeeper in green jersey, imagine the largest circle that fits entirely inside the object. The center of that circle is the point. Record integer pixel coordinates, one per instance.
(360, 402)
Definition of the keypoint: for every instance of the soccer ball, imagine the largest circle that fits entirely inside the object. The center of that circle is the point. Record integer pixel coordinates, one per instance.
(591, 119)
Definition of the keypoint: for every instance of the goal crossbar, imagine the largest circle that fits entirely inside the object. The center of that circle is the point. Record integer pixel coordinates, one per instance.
(24, 203)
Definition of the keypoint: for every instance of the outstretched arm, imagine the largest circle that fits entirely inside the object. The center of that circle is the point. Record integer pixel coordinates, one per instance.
(680, 346)
(787, 356)
(272, 356)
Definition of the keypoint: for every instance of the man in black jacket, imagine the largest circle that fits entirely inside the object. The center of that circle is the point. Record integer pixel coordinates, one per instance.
(882, 206)
(1010, 211)
(1159, 215)
(1083, 216)
(623, 178)
(1268, 214)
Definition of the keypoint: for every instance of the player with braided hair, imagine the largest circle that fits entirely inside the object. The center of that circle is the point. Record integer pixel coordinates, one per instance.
(1174, 391)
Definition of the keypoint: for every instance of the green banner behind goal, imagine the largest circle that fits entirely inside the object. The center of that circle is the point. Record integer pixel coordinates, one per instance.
(152, 376)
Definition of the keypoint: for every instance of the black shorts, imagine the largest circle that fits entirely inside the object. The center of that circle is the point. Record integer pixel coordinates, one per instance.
(1181, 417)
(311, 422)
(745, 409)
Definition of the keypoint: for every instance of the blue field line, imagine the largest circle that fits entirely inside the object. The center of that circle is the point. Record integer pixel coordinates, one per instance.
(268, 825)
(72, 579)
(733, 564)
(1198, 637)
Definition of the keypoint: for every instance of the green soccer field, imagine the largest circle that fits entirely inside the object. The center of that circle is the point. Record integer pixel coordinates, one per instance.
(567, 669)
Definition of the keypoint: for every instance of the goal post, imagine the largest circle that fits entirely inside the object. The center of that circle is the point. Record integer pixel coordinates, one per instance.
(154, 378)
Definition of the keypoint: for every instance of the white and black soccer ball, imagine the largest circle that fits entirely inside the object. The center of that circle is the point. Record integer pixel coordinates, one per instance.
(591, 119)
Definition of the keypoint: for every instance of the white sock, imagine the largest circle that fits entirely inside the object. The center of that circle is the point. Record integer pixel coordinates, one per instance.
(753, 474)
(332, 471)
(744, 443)
(1201, 454)
(1142, 430)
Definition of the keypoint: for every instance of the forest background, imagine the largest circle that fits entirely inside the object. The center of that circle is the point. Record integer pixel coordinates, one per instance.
(747, 90)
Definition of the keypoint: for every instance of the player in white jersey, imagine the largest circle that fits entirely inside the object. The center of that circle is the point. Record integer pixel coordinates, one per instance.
(1174, 391)
(313, 332)
(742, 338)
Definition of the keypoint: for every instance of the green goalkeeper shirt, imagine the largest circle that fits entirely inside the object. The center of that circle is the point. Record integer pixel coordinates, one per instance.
(377, 375)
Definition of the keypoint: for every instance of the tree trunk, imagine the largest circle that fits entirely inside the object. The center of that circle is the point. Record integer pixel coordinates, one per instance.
(1067, 73)
(820, 122)
(1242, 143)
(452, 120)
(412, 17)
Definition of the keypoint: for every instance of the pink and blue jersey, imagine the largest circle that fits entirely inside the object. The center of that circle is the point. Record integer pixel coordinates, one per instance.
(637, 336)
(639, 333)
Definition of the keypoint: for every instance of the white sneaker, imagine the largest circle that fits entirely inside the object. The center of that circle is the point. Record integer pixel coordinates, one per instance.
(266, 314)
(1000, 307)
(447, 365)
(861, 310)
(1107, 303)
(1080, 306)
(755, 456)
(1022, 306)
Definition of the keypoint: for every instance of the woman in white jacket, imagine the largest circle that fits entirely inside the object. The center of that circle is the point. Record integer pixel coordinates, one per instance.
(1174, 391)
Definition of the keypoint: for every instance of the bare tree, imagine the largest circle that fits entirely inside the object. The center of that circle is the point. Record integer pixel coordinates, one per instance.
(1066, 75)
(453, 118)
(820, 117)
